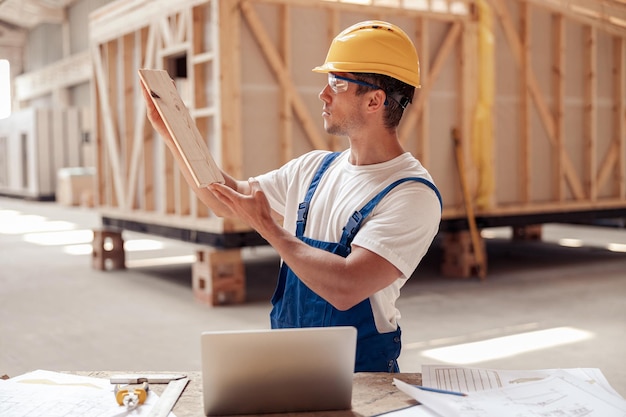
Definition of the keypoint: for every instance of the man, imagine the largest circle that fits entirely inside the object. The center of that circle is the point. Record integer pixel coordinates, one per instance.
(356, 223)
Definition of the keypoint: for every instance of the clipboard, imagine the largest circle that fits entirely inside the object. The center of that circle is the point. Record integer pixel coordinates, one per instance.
(181, 127)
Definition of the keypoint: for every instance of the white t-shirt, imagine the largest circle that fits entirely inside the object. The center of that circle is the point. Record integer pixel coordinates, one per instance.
(400, 228)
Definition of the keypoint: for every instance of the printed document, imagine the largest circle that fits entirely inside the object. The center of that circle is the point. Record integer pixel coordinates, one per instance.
(53, 394)
(496, 393)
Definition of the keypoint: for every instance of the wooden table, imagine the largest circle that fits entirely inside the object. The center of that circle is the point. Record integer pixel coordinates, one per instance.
(372, 394)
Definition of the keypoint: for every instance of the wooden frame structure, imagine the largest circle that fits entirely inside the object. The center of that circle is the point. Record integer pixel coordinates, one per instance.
(138, 180)
(543, 118)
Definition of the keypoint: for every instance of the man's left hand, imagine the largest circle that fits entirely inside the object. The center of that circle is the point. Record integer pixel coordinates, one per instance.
(254, 208)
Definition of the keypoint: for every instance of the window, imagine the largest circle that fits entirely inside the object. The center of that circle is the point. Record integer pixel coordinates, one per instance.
(5, 89)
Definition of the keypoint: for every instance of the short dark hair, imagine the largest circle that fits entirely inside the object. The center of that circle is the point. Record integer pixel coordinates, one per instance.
(399, 95)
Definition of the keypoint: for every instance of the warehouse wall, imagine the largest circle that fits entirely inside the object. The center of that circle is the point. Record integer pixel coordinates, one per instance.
(78, 17)
(43, 46)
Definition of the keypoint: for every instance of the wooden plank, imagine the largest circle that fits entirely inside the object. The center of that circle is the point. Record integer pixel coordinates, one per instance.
(184, 21)
(285, 119)
(98, 136)
(67, 72)
(120, 17)
(128, 103)
(179, 23)
(112, 75)
(435, 10)
(422, 40)
(181, 126)
(619, 115)
(137, 138)
(147, 42)
(558, 92)
(590, 112)
(198, 58)
(111, 146)
(230, 72)
(606, 15)
(525, 151)
(333, 27)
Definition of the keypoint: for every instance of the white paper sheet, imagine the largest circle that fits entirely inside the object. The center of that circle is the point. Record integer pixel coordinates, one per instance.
(413, 411)
(455, 378)
(559, 395)
(52, 394)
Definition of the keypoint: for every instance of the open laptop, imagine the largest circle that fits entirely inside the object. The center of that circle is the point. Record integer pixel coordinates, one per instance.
(280, 370)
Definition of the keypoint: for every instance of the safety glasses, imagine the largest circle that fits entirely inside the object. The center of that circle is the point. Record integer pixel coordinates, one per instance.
(339, 84)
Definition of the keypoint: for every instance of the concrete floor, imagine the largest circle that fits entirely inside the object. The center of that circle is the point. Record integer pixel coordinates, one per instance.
(57, 313)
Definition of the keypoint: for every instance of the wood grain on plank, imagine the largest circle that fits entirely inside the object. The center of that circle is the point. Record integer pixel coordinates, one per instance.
(181, 126)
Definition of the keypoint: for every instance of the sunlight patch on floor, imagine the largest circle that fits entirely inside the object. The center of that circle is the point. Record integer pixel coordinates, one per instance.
(14, 223)
(507, 346)
(67, 237)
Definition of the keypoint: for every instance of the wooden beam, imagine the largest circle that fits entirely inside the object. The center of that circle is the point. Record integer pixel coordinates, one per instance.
(444, 11)
(619, 114)
(117, 18)
(148, 41)
(285, 120)
(119, 170)
(196, 75)
(333, 27)
(525, 151)
(109, 130)
(590, 140)
(166, 30)
(183, 29)
(139, 134)
(422, 39)
(64, 73)
(230, 73)
(606, 15)
(558, 94)
(179, 22)
(128, 108)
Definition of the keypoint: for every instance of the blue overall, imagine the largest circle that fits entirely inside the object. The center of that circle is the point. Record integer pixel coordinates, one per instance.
(295, 305)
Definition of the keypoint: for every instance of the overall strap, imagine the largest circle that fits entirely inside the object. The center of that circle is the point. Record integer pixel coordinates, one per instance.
(355, 221)
(303, 208)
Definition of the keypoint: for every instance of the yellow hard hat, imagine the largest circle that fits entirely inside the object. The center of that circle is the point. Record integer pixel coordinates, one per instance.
(376, 47)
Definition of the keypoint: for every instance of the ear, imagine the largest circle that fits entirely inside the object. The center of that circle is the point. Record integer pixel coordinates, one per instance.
(376, 101)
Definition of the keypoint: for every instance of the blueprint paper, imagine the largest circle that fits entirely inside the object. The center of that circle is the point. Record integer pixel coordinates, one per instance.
(52, 394)
(556, 396)
(461, 379)
(413, 411)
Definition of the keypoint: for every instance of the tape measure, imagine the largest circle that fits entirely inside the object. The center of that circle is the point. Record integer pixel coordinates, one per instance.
(168, 398)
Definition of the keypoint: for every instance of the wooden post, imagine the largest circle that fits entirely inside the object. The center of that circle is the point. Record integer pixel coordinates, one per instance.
(459, 257)
(108, 250)
(528, 232)
(218, 277)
